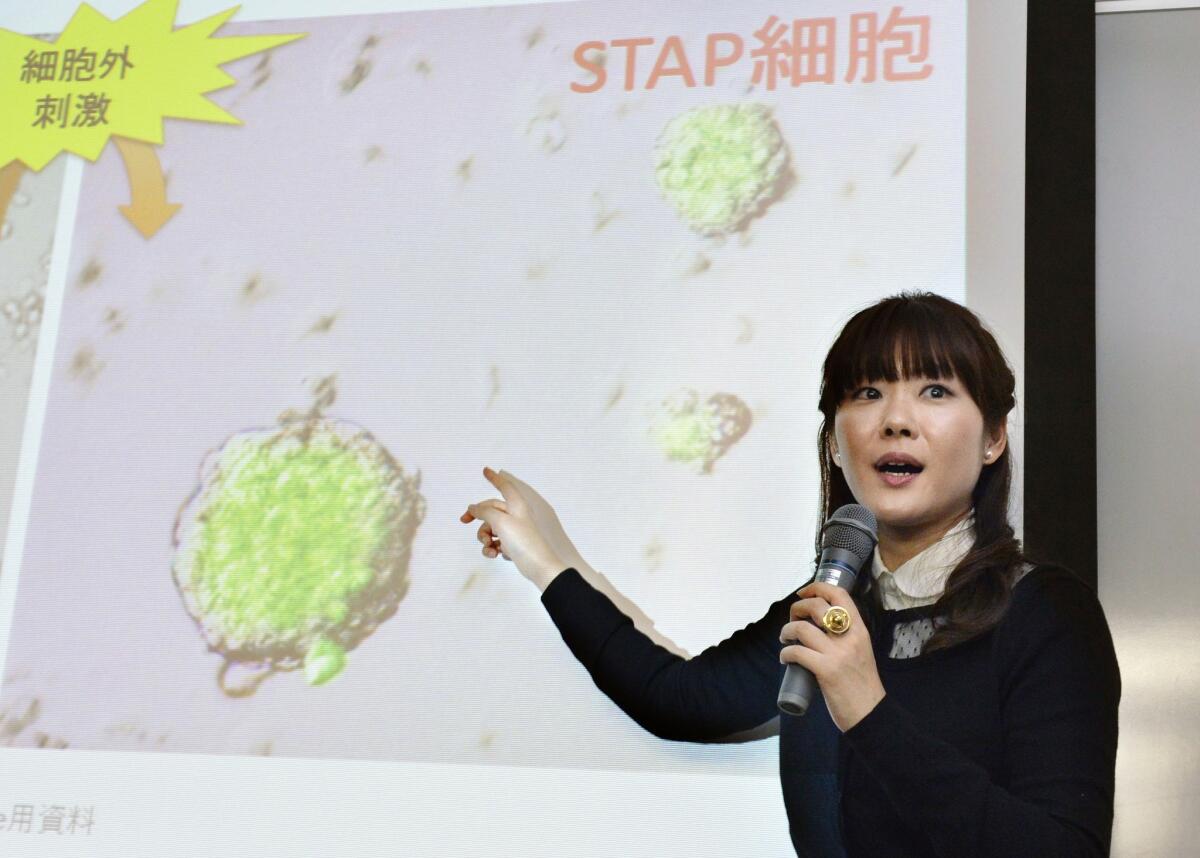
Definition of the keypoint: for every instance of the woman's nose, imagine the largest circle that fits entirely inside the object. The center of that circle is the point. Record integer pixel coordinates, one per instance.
(898, 419)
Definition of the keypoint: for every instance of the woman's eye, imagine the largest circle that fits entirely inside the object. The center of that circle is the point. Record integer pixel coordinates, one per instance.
(865, 393)
(940, 390)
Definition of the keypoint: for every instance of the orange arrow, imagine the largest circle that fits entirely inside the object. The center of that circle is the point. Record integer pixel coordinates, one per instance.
(148, 209)
(10, 177)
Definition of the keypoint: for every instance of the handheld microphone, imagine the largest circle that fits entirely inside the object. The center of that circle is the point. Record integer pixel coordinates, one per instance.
(847, 541)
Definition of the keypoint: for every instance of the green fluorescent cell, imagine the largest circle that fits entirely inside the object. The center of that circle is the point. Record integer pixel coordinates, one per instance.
(296, 546)
(699, 430)
(721, 165)
(323, 661)
(289, 535)
(686, 437)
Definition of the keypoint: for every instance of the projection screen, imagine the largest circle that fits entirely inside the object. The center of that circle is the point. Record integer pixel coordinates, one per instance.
(443, 236)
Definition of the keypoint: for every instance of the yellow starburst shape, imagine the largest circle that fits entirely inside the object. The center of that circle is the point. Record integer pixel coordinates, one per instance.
(104, 78)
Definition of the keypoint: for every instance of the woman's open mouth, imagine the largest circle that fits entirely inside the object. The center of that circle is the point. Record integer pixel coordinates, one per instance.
(899, 472)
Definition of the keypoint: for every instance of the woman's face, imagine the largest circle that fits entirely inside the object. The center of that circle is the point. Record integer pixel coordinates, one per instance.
(933, 423)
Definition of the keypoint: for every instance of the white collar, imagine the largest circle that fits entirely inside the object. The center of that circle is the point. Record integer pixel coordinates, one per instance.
(921, 579)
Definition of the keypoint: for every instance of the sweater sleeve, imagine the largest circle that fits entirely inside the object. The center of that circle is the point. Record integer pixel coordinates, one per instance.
(726, 689)
(1060, 687)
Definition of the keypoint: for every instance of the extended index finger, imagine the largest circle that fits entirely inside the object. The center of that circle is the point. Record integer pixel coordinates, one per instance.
(517, 494)
(501, 480)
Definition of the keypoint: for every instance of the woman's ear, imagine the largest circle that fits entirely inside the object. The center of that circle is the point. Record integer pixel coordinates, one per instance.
(834, 454)
(995, 443)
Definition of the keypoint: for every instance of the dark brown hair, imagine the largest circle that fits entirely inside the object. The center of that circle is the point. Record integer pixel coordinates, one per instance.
(917, 334)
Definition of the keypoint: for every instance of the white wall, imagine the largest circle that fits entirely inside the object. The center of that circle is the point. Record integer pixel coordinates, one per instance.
(1148, 413)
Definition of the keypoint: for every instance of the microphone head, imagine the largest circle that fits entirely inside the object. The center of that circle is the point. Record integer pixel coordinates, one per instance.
(852, 528)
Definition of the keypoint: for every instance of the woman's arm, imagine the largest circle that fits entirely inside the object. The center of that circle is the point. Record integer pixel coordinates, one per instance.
(727, 688)
(1060, 690)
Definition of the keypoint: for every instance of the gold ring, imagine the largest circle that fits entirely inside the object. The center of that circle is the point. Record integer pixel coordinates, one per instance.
(836, 620)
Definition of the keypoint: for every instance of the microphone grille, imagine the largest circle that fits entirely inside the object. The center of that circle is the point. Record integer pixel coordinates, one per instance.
(852, 528)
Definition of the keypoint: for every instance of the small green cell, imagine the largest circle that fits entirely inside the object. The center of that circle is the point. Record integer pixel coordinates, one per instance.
(324, 660)
(686, 437)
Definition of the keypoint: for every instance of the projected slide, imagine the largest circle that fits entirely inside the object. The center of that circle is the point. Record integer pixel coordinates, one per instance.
(28, 209)
(601, 245)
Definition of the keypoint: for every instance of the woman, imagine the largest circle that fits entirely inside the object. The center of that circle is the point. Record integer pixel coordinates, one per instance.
(971, 702)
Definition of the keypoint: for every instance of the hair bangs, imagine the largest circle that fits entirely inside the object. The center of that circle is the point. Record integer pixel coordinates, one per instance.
(905, 339)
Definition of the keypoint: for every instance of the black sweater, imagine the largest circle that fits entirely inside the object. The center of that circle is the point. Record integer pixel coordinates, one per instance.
(1001, 746)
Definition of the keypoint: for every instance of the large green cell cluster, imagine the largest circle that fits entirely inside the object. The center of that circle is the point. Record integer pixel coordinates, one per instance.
(721, 165)
(297, 545)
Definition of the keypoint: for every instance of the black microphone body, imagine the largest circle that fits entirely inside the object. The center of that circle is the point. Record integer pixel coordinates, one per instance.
(847, 541)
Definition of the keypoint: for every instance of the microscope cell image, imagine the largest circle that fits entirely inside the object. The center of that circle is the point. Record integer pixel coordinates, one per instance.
(700, 431)
(295, 548)
(245, 444)
(722, 165)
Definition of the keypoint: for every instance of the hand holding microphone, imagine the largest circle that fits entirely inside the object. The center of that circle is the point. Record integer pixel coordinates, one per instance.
(837, 656)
